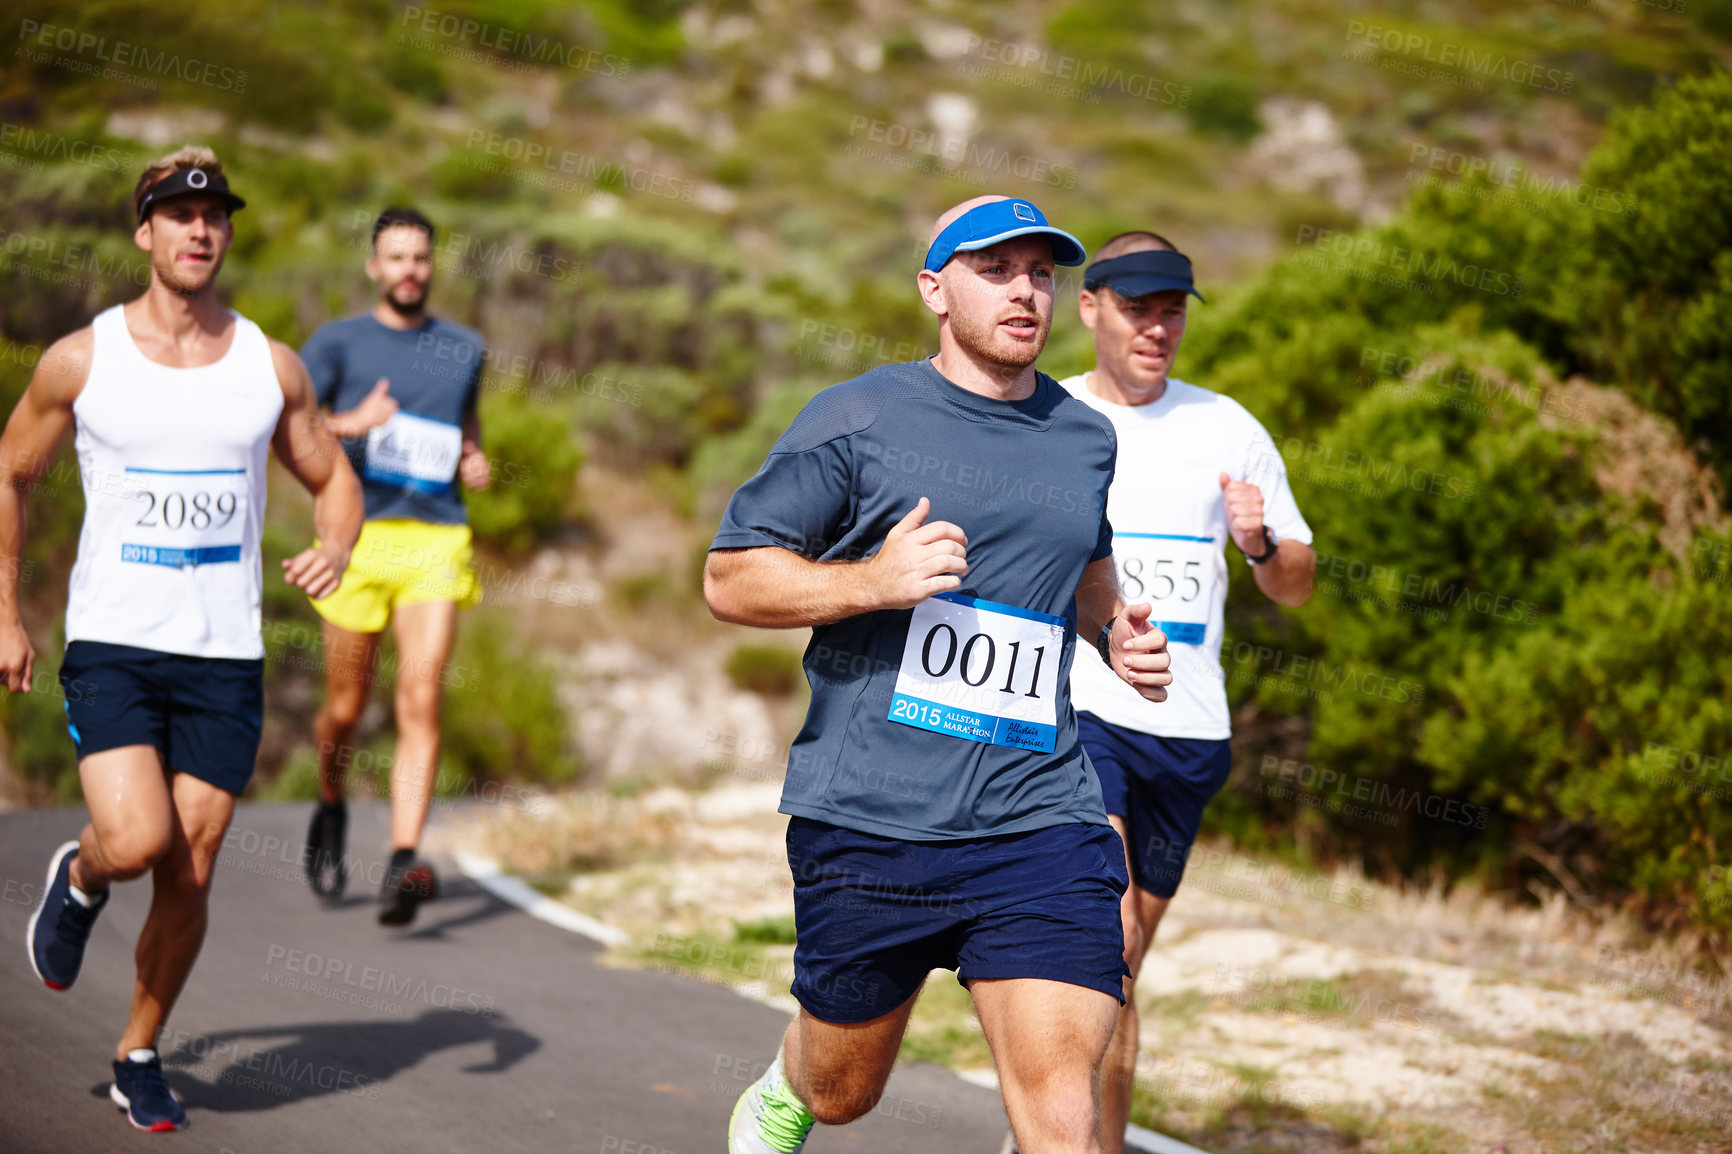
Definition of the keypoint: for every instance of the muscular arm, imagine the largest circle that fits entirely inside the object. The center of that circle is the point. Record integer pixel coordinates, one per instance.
(306, 448)
(775, 588)
(33, 432)
(1285, 578)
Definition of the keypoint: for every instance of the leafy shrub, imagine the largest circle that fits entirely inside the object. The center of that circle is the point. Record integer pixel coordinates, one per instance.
(773, 670)
(1647, 286)
(777, 931)
(535, 459)
(503, 718)
(1512, 633)
(1224, 108)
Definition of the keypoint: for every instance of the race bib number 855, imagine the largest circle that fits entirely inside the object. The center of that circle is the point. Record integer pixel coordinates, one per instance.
(981, 671)
(1175, 574)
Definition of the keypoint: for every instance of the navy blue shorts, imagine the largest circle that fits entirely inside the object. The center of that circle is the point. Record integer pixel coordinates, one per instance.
(203, 714)
(1160, 786)
(874, 915)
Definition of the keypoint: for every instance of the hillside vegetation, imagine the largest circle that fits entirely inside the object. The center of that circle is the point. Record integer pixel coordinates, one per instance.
(1469, 262)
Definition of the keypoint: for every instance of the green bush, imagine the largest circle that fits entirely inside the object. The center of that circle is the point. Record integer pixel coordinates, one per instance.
(1492, 626)
(1224, 108)
(535, 457)
(38, 748)
(773, 670)
(1647, 285)
(503, 718)
(777, 931)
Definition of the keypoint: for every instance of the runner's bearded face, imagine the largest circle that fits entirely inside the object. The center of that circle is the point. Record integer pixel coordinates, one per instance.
(402, 264)
(999, 300)
(187, 237)
(1138, 337)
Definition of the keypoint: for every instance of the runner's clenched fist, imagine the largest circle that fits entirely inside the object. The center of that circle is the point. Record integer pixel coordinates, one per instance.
(918, 560)
(1244, 514)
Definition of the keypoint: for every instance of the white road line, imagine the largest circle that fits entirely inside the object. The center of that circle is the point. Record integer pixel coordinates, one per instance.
(486, 873)
(1155, 1143)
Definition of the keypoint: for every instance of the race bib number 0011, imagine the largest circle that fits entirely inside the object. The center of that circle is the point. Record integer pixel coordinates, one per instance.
(185, 517)
(981, 671)
(414, 452)
(1175, 574)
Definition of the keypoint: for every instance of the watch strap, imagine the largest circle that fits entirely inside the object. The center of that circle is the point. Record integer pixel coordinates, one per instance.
(1270, 544)
(1104, 640)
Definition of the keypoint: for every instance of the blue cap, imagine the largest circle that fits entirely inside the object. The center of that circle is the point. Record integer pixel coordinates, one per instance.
(985, 225)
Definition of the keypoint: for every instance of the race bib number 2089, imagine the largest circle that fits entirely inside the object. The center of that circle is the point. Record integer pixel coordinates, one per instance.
(981, 671)
(185, 516)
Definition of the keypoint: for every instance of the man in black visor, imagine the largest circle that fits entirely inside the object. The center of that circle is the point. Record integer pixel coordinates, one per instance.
(1194, 470)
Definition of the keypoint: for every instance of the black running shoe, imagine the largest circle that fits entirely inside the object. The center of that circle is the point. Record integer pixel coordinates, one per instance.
(61, 924)
(324, 855)
(141, 1090)
(406, 887)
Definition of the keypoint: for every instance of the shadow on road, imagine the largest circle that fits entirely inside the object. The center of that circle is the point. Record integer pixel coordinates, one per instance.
(311, 1060)
(461, 890)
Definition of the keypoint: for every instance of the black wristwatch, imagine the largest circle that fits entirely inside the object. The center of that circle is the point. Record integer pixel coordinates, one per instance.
(1104, 641)
(1270, 544)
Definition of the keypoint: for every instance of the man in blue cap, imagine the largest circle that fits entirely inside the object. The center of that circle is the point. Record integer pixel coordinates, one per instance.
(1195, 470)
(941, 528)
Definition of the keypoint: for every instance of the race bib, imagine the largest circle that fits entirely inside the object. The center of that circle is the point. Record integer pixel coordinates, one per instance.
(1175, 574)
(414, 453)
(981, 671)
(185, 517)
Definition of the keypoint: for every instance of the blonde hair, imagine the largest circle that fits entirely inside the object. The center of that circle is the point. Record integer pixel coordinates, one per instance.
(187, 156)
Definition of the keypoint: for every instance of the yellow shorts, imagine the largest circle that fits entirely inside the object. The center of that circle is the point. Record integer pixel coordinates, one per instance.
(401, 562)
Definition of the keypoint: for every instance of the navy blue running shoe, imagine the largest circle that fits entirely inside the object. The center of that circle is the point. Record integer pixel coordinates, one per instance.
(141, 1090)
(61, 924)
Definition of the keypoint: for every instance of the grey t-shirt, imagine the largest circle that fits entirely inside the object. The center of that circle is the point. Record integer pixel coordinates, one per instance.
(435, 375)
(1027, 482)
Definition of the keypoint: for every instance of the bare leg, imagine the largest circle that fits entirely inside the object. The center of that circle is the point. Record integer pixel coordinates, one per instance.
(426, 630)
(1140, 913)
(174, 929)
(349, 662)
(839, 1071)
(131, 817)
(1048, 1039)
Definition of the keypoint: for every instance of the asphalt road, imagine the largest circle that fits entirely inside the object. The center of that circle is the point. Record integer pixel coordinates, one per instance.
(477, 1030)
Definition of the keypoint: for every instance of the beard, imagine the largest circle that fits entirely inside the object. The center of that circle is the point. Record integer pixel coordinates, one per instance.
(414, 308)
(980, 339)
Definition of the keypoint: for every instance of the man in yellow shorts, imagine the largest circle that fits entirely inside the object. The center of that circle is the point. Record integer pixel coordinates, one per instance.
(399, 387)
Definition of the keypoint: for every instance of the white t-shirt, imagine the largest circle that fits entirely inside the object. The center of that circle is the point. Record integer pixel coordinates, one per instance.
(1170, 540)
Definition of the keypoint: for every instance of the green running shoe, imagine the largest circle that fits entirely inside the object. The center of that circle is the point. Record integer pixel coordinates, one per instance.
(769, 1121)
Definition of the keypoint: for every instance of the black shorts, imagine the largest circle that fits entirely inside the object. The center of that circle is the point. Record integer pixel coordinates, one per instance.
(204, 715)
(1160, 786)
(874, 915)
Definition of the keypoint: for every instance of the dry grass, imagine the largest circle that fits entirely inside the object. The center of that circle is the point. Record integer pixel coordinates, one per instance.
(1281, 1012)
(1642, 456)
(583, 833)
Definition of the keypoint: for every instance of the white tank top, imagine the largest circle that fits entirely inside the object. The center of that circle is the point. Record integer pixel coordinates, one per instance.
(173, 465)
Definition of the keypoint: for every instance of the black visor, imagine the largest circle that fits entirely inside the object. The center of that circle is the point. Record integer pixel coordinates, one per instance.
(1138, 274)
(186, 182)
